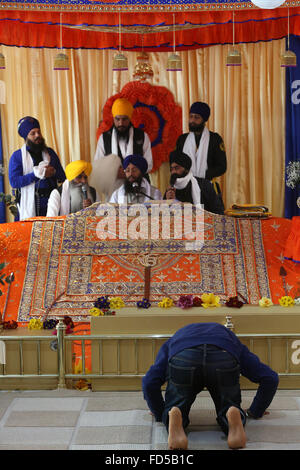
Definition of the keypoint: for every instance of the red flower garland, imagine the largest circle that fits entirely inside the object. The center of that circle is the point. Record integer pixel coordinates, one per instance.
(155, 111)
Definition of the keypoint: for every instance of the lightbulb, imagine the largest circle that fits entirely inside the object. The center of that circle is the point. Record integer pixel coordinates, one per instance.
(268, 4)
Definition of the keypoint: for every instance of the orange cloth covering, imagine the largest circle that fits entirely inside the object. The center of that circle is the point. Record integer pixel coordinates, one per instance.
(17, 239)
(25, 28)
(292, 247)
(46, 263)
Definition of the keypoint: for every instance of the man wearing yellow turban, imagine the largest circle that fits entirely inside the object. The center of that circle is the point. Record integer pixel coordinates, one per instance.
(116, 144)
(75, 194)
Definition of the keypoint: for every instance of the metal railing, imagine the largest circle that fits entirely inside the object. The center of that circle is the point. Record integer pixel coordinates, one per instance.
(63, 340)
(20, 340)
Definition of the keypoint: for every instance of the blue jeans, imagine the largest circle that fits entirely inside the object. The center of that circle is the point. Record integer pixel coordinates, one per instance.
(203, 366)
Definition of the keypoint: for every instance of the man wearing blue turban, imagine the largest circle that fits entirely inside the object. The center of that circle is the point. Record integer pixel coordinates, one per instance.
(205, 148)
(136, 189)
(34, 170)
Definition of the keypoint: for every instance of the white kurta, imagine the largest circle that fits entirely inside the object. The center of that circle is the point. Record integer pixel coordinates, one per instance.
(126, 148)
(61, 204)
(119, 196)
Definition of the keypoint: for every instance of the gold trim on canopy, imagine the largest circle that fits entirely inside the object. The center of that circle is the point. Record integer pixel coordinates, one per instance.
(111, 7)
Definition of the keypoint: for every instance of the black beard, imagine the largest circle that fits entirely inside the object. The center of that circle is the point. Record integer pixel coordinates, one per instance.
(173, 179)
(36, 148)
(195, 128)
(123, 134)
(129, 188)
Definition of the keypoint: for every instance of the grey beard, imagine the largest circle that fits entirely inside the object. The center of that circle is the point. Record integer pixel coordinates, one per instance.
(76, 197)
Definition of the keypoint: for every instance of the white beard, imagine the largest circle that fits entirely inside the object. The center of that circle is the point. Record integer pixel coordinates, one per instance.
(76, 198)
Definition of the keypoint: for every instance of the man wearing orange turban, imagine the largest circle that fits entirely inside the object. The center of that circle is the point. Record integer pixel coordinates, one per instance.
(75, 193)
(116, 144)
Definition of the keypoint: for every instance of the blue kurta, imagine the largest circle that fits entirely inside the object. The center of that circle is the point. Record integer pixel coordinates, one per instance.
(18, 180)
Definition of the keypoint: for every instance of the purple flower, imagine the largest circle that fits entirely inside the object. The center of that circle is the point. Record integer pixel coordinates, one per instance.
(143, 303)
(102, 302)
(185, 301)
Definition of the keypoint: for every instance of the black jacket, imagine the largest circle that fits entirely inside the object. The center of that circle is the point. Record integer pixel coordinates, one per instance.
(138, 142)
(216, 154)
(211, 201)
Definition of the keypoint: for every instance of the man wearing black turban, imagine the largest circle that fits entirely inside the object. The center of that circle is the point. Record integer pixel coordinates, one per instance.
(205, 148)
(187, 188)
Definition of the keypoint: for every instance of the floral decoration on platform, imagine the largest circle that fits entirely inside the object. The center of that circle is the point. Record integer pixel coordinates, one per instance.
(185, 301)
(104, 306)
(102, 302)
(9, 325)
(116, 302)
(143, 303)
(166, 302)
(265, 302)
(35, 324)
(96, 312)
(49, 324)
(286, 301)
(234, 302)
(210, 300)
(206, 300)
(197, 301)
(69, 324)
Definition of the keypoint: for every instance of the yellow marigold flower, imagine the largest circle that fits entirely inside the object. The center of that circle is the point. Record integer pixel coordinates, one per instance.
(265, 302)
(96, 312)
(116, 302)
(286, 301)
(210, 300)
(35, 324)
(166, 302)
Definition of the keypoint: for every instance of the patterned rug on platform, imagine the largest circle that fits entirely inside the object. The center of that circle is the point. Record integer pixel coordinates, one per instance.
(68, 267)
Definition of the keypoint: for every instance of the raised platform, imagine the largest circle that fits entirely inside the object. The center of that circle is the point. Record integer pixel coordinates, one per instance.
(124, 346)
(272, 333)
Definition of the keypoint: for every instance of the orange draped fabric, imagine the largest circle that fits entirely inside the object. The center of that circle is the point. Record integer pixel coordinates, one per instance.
(292, 249)
(42, 29)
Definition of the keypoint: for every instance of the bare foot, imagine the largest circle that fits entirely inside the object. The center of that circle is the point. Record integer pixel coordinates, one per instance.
(236, 435)
(177, 437)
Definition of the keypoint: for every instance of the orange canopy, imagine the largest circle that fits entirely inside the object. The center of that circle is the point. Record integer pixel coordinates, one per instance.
(152, 31)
